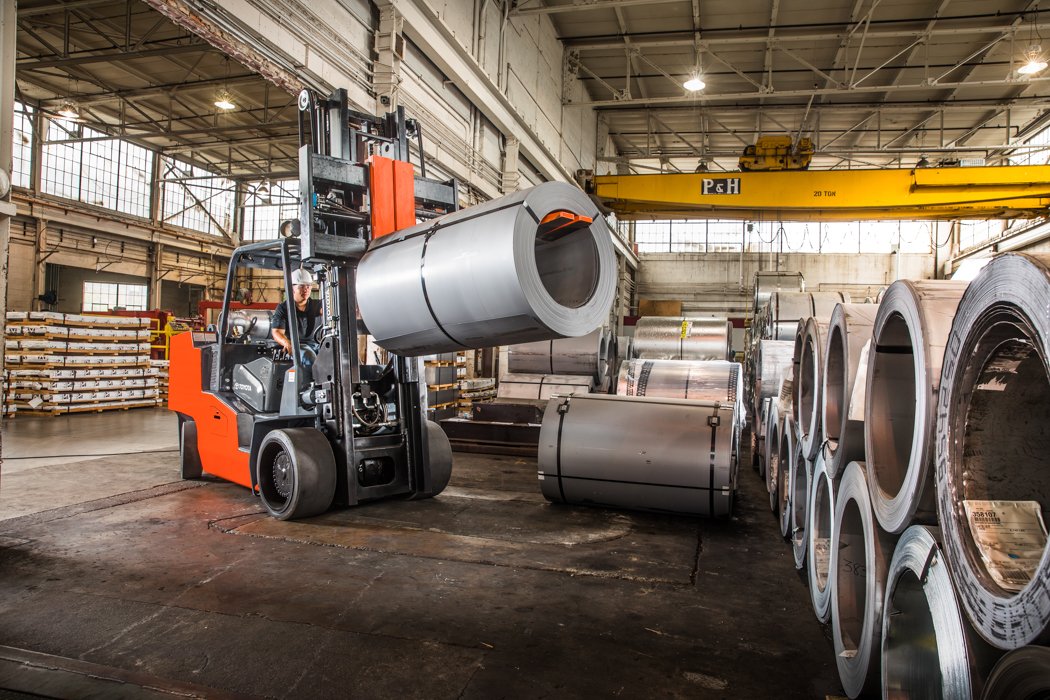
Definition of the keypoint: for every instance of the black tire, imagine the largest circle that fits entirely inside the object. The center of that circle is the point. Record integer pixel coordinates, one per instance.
(439, 461)
(189, 455)
(296, 473)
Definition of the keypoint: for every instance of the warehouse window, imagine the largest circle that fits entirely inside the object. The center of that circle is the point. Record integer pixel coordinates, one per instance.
(107, 296)
(84, 164)
(267, 205)
(1040, 155)
(22, 156)
(196, 199)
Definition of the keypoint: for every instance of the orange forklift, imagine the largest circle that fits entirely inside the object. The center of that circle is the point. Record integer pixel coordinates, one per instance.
(317, 425)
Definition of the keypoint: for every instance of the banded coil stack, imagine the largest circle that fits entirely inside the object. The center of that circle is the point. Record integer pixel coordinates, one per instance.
(536, 369)
(59, 363)
(925, 505)
(678, 338)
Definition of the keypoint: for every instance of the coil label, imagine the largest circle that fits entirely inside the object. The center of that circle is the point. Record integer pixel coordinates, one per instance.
(1010, 536)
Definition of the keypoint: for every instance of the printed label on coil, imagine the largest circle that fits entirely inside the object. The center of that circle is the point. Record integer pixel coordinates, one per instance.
(1011, 537)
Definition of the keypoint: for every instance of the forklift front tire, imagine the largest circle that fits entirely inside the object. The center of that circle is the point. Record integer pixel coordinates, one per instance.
(296, 473)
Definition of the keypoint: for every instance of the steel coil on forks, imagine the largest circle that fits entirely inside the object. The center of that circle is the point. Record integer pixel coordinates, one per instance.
(904, 375)
(993, 437)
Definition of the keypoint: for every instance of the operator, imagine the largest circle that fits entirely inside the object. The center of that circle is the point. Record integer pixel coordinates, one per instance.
(307, 315)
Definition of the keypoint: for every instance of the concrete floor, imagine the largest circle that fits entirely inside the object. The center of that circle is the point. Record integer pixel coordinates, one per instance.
(118, 580)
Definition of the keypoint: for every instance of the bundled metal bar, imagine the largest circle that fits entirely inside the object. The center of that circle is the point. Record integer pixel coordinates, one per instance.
(808, 386)
(587, 355)
(860, 560)
(494, 274)
(993, 440)
(671, 338)
(929, 650)
(821, 513)
(1021, 674)
(614, 451)
(542, 386)
(845, 363)
(904, 374)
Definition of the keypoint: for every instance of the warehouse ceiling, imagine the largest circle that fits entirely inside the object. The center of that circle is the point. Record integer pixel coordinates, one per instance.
(130, 71)
(874, 83)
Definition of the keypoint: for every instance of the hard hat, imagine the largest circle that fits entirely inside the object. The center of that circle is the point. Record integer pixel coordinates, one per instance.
(301, 276)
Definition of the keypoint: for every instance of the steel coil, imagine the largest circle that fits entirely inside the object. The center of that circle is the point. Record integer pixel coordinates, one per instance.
(824, 304)
(540, 387)
(699, 380)
(849, 332)
(800, 485)
(763, 432)
(614, 451)
(773, 358)
(1022, 674)
(904, 373)
(785, 310)
(928, 648)
(487, 276)
(808, 386)
(772, 451)
(769, 282)
(821, 514)
(993, 441)
(860, 559)
(585, 355)
(786, 449)
(668, 338)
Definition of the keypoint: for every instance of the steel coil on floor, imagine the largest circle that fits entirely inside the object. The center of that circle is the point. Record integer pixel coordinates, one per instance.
(772, 359)
(487, 276)
(768, 283)
(787, 439)
(615, 451)
(540, 387)
(1022, 674)
(821, 514)
(860, 559)
(785, 310)
(800, 485)
(774, 423)
(824, 304)
(698, 380)
(586, 355)
(845, 361)
(809, 385)
(929, 649)
(904, 374)
(993, 437)
(672, 338)
(758, 431)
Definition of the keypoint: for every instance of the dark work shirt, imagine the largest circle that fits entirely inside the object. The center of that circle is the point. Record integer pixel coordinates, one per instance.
(308, 320)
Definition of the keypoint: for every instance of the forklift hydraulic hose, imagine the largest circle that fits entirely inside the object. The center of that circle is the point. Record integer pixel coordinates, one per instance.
(494, 274)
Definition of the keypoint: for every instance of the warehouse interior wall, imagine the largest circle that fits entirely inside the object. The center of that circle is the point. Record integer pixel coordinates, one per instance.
(70, 285)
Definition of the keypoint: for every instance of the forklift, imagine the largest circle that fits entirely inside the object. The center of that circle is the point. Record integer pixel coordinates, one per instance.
(318, 426)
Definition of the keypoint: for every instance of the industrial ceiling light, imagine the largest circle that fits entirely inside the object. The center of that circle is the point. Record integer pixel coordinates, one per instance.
(694, 84)
(224, 101)
(69, 110)
(263, 192)
(1034, 61)
(923, 162)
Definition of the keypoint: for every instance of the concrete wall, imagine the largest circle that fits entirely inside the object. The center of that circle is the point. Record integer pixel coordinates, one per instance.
(720, 282)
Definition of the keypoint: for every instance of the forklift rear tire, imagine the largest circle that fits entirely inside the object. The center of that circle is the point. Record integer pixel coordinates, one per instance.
(296, 473)
(439, 461)
(189, 455)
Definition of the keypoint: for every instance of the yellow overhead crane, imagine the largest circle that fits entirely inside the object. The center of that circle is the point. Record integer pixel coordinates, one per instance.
(1006, 192)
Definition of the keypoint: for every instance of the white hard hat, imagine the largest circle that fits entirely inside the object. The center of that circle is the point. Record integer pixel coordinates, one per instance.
(301, 276)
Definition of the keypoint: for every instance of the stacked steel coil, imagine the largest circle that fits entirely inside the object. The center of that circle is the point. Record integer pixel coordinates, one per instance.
(613, 451)
(673, 338)
(697, 380)
(772, 359)
(845, 362)
(587, 355)
(540, 387)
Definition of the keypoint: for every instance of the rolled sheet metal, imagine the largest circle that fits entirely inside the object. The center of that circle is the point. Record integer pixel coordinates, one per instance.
(586, 355)
(849, 332)
(809, 384)
(800, 485)
(860, 560)
(541, 386)
(758, 439)
(772, 359)
(904, 374)
(824, 304)
(771, 449)
(821, 515)
(790, 459)
(929, 649)
(696, 380)
(769, 282)
(615, 451)
(671, 338)
(769, 418)
(487, 276)
(786, 449)
(993, 437)
(1022, 674)
(785, 310)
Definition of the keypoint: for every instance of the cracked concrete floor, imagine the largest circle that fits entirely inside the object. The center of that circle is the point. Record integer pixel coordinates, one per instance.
(485, 592)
